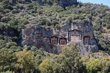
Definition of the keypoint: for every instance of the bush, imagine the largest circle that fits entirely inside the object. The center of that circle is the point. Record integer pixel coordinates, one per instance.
(7, 72)
(97, 64)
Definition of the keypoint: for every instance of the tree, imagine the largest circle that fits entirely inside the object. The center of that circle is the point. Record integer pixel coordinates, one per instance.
(25, 61)
(66, 62)
(72, 61)
(7, 59)
(97, 64)
(48, 66)
(7, 72)
(5, 4)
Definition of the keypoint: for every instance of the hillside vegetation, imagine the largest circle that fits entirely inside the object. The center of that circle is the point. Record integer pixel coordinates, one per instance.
(13, 17)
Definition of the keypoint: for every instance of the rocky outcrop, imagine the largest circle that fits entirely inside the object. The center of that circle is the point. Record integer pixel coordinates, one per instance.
(38, 36)
(77, 33)
(65, 3)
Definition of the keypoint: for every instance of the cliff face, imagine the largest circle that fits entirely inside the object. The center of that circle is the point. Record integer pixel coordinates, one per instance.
(65, 3)
(29, 12)
(77, 33)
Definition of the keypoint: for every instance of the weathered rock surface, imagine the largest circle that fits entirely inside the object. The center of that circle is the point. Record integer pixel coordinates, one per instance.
(78, 33)
(65, 3)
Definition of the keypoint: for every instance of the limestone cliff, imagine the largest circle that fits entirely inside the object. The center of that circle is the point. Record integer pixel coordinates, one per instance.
(77, 32)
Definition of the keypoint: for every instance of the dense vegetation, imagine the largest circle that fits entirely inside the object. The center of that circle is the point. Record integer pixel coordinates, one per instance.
(14, 57)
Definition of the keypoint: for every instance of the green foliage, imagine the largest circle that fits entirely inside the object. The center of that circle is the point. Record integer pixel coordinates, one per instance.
(71, 63)
(67, 62)
(7, 72)
(48, 66)
(2, 44)
(97, 64)
(25, 61)
(7, 59)
(18, 22)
